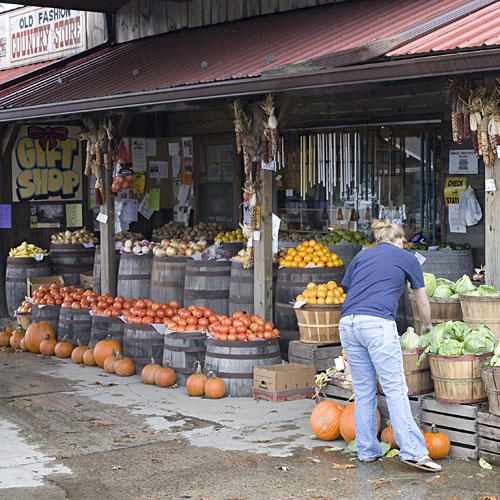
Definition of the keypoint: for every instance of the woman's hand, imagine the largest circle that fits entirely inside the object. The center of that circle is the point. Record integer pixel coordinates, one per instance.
(424, 308)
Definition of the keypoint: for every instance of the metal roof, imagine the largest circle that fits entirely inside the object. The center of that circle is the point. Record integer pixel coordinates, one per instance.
(8, 75)
(248, 49)
(476, 30)
(92, 5)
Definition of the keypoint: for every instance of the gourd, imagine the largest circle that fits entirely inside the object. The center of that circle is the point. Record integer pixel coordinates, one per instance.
(165, 377)
(16, 338)
(149, 371)
(37, 332)
(214, 386)
(438, 443)
(195, 384)
(5, 338)
(325, 420)
(104, 349)
(47, 346)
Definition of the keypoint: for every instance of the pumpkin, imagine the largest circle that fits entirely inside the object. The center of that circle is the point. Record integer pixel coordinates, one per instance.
(37, 332)
(149, 371)
(325, 420)
(347, 429)
(387, 436)
(77, 354)
(124, 367)
(109, 363)
(15, 339)
(22, 344)
(47, 346)
(63, 348)
(195, 384)
(5, 338)
(214, 386)
(88, 357)
(165, 377)
(438, 443)
(104, 349)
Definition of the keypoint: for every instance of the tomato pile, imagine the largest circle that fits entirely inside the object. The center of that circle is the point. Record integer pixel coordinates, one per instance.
(241, 326)
(76, 298)
(147, 312)
(191, 319)
(54, 294)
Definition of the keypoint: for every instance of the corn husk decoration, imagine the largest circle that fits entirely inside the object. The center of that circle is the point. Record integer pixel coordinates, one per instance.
(270, 125)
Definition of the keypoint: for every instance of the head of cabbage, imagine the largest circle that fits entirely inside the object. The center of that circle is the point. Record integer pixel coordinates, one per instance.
(464, 285)
(409, 340)
(443, 292)
(430, 284)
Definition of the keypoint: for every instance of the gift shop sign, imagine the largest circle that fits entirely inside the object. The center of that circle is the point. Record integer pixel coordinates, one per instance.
(46, 164)
(32, 34)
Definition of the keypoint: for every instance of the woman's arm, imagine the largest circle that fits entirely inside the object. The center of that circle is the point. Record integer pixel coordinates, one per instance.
(424, 308)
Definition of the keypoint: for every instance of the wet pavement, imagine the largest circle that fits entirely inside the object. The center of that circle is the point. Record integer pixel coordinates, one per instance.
(75, 432)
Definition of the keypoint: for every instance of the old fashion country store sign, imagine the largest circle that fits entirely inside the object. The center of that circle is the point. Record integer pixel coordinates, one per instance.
(31, 35)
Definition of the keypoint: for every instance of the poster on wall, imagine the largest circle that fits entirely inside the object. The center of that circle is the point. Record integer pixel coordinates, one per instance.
(453, 186)
(463, 161)
(47, 164)
(46, 216)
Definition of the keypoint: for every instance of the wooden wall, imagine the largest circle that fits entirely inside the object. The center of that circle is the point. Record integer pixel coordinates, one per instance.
(140, 18)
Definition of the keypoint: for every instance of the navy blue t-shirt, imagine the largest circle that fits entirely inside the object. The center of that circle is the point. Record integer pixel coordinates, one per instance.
(376, 278)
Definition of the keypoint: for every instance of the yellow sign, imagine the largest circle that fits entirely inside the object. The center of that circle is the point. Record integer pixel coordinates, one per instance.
(74, 216)
(139, 182)
(452, 187)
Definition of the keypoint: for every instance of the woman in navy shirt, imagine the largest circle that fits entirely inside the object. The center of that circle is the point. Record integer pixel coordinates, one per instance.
(375, 281)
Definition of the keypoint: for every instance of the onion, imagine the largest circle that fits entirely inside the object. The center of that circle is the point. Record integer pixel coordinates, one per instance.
(171, 252)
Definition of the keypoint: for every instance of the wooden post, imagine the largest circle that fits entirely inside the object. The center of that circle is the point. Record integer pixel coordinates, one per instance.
(263, 252)
(492, 228)
(108, 253)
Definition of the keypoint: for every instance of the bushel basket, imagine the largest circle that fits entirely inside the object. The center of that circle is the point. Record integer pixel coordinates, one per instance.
(491, 379)
(442, 310)
(319, 324)
(482, 310)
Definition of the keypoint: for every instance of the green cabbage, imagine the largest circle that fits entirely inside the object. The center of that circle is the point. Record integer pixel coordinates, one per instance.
(464, 285)
(488, 291)
(450, 347)
(409, 340)
(430, 283)
(458, 329)
(443, 292)
(495, 361)
(425, 339)
(477, 343)
(497, 350)
(444, 281)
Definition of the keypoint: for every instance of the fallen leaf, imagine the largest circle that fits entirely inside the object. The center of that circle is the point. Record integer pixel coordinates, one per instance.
(484, 464)
(334, 448)
(343, 466)
(316, 460)
(434, 478)
(488, 497)
(313, 437)
(380, 482)
(156, 461)
(282, 467)
(353, 459)
(334, 479)
(392, 453)
(116, 467)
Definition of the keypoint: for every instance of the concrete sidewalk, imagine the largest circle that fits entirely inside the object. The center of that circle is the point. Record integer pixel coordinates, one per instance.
(75, 432)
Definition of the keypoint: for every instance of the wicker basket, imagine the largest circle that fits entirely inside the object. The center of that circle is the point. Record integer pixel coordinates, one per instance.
(491, 379)
(319, 324)
(23, 319)
(442, 310)
(457, 379)
(482, 310)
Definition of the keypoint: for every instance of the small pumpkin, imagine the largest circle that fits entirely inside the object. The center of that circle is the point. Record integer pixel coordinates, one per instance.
(124, 367)
(387, 436)
(47, 346)
(325, 420)
(195, 384)
(109, 363)
(5, 338)
(438, 443)
(15, 339)
(347, 428)
(149, 371)
(214, 386)
(63, 348)
(104, 349)
(77, 354)
(36, 333)
(88, 357)
(165, 377)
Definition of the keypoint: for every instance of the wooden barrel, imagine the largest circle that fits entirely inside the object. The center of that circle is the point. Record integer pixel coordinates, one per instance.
(18, 270)
(96, 273)
(182, 350)
(141, 343)
(418, 377)
(346, 251)
(207, 284)
(70, 261)
(319, 324)
(234, 362)
(442, 310)
(102, 326)
(48, 314)
(491, 380)
(482, 310)
(457, 379)
(449, 264)
(167, 279)
(290, 283)
(75, 325)
(134, 276)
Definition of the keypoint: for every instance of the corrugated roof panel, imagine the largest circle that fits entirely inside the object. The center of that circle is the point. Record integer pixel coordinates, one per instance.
(7, 75)
(479, 29)
(240, 49)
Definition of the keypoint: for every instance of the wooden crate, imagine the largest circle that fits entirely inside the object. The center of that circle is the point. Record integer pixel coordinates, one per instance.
(458, 421)
(320, 355)
(415, 405)
(338, 394)
(488, 430)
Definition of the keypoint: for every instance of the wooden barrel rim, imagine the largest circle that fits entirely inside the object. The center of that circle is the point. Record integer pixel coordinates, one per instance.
(172, 259)
(209, 263)
(456, 380)
(143, 341)
(318, 325)
(202, 274)
(474, 298)
(418, 351)
(235, 375)
(239, 343)
(107, 319)
(134, 276)
(143, 328)
(465, 357)
(105, 331)
(267, 355)
(186, 335)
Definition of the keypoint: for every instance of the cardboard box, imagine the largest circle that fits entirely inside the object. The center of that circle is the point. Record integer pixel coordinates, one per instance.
(87, 280)
(37, 281)
(283, 382)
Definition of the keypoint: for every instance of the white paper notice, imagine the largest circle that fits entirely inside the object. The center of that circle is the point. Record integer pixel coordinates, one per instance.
(176, 166)
(143, 207)
(174, 149)
(151, 146)
(103, 218)
(455, 219)
(187, 147)
(256, 235)
(421, 259)
(276, 231)
(158, 169)
(139, 161)
(183, 194)
(130, 210)
(289, 193)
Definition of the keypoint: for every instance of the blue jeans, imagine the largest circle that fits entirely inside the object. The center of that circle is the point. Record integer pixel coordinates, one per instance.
(372, 348)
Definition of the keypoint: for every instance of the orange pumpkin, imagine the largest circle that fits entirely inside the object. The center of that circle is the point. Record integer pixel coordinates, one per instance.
(325, 420)
(88, 357)
(22, 344)
(104, 349)
(124, 367)
(63, 349)
(47, 346)
(214, 386)
(77, 354)
(5, 338)
(109, 363)
(438, 443)
(347, 429)
(387, 436)
(195, 384)
(16, 338)
(149, 371)
(165, 377)
(37, 332)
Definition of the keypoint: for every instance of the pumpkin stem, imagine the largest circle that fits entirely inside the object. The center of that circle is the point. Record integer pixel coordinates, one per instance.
(152, 360)
(211, 374)
(197, 367)
(47, 337)
(434, 429)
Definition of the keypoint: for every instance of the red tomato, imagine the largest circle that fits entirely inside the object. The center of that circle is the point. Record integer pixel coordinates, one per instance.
(260, 329)
(251, 336)
(213, 319)
(141, 313)
(242, 337)
(207, 313)
(227, 322)
(237, 314)
(182, 322)
(85, 304)
(232, 338)
(169, 312)
(192, 321)
(241, 330)
(203, 322)
(147, 320)
(155, 307)
(140, 304)
(118, 306)
(75, 305)
(268, 326)
(224, 329)
(184, 314)
(160, 314)
(223, 337)
(174, 304)
(197, 313)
